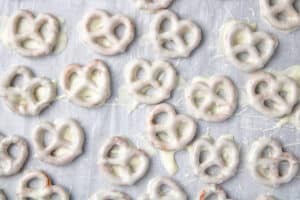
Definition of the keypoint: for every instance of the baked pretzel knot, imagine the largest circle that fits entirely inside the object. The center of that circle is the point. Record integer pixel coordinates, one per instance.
(29, 95)
(247, 49)
(66, 141)
(272, 95)
(37, 39)
(87, 86)
(105, 33)
(121, 162)
(152, 5)
(213, 191)
(214, 99)
(150, 83)
(110, 195)
(164, 188)
(281, 14)
(176, 40)
(269, 164)
(12, 162)
(45, 189)
(215, 161)
(173, 132)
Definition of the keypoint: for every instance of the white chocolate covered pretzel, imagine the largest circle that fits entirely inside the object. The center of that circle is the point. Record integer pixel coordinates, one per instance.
(37, 39)
(150, 83)
(44, 189)
(281, 14)
(172, 133)
(30, 95)
(215, 161)
(12, 162)
(269, 164)
(266, 197)
(152, 5)
(87, 86)
(178, 39)
(247, 49)
(110, 195)
(272, 95)
(2, 195)
(213, 190)
(164, 188)
(121, 162)
(100, 32)
(214, 99)
(66, 143)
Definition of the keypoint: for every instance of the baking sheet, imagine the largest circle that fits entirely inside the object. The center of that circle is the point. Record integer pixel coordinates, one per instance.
(82, 177)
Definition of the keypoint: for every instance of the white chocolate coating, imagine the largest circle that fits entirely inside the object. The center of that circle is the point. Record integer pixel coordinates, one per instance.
(12, 164)
(272, 95)
(222, 154)
(183, 35)
(214, 99)
(164, 188)
(246, 48)
(45, 190)
(88, 85)
(266, 197)
(98, 30)
(66, 143)
(152, 5)
(265, 159)
(158, 77)
(121, 162)
(44, 42)
(213, 190)
(31, 96)
(109, 195)
(177, 130)
(281, 14)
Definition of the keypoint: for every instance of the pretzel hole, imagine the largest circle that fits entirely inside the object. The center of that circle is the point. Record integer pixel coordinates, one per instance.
(282, 16)
(40, 93)
(148, 91)
(95, 77)
(133, 164)
(104, 42)
(283, 94)
(267, 152)
(36, 183)
(164, 190)
(273, 2)
(45, 30)
(160, 77)
(160, 118)
(55, 196)
(95, 24)
(23, 26)
(168, 44)
(226, 156)
(46, 137)
(213, 170)
(220, 92)
(260, 47)
(117, 171)
(119, 31)
(296, 5)
(269, 103)
(17, 81)
(203, 156)
(284, 167)
(162, 136)
(212, 196)
(67, 135)
(198, 98)
(241, 37)
(74, 81)
(114, 151)
(243, 56)
(30, 44)
(165, 26)
(261, 86)
(13, 150)
(187, 37)
(181, 128)
(139, 73)
(212, 109)
(87, 94)
(59, 152)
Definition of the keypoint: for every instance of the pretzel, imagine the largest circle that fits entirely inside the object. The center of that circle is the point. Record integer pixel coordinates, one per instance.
(19, 38)
(31, 96)
(246, 48)
(121, 162)
(173, 133)
(66, 143)
(213, 190)
(265, 160)
(164, 188)
(281, 14)
(274, 96)
(11, 164)
(99, 30)
(178, 40)
(88, 85)
(45, 189)
(214, 99)
(110, 195)
(2, 195)
(266, 197)
(152, 5)
(222, 154)
(154, 85)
